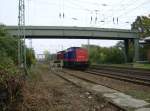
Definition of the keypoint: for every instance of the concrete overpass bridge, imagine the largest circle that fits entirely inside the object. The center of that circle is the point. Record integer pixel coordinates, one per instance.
(50, 32)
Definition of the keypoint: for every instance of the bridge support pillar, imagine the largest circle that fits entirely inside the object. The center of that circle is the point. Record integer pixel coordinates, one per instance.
(126, 49)
(136, 50)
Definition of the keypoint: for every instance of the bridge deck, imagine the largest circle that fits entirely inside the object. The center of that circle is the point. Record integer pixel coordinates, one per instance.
(74, 32)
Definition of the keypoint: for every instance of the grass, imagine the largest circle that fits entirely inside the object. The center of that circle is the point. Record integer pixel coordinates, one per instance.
(34, 74)
(140, 94)
(134, 65)
(144, 66)
(36, 71)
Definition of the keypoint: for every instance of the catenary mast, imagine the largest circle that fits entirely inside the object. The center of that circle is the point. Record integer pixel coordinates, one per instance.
(21, 35)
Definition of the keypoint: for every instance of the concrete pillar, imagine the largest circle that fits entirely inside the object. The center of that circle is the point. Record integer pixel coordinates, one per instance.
(126, 47)
(136, 50)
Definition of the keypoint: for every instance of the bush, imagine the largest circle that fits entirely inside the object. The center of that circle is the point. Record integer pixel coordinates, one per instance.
(30, 57)
(10, 76)
(105, 55)
(10, 83)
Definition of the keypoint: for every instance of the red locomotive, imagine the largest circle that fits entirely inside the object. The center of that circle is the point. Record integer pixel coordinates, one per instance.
(60, 55)
(74, 57)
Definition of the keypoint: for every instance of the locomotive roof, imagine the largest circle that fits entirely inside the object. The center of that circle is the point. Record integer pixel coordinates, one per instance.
(73, 47)
(70, 48)
(61, 51)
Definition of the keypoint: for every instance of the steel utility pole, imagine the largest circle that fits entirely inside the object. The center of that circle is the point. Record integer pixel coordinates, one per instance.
(30, 44)
(21, 35)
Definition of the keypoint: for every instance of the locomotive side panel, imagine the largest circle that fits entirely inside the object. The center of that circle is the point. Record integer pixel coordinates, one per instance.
(81, 55)
(74, 57)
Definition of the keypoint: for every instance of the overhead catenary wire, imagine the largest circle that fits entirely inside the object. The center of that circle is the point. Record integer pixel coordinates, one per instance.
(117, 18)
(125, 13)
(75, 6)
(133, 9)
(80, 5)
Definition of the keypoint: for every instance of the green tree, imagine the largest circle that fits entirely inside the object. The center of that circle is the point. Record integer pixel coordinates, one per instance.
(3, 31)
(9, 47)
(142, 24)
(115, 56)
(120, 45)
(30, 57)
(47, 55)
(100, 55)
(8, 44)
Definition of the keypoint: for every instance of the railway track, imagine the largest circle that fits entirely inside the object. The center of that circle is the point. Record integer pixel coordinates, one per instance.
(122, 69)
(86, 80)
(134, 75)
(84, 77)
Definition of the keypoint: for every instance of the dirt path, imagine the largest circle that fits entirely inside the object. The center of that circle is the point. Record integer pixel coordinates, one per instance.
(44, 91)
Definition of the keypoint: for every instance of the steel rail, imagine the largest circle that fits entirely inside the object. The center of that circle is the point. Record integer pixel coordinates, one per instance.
(121, 76)
(86, 80)
(138, 70)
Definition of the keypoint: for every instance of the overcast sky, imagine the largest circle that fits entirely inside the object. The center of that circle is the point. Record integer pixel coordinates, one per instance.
(83, 13)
